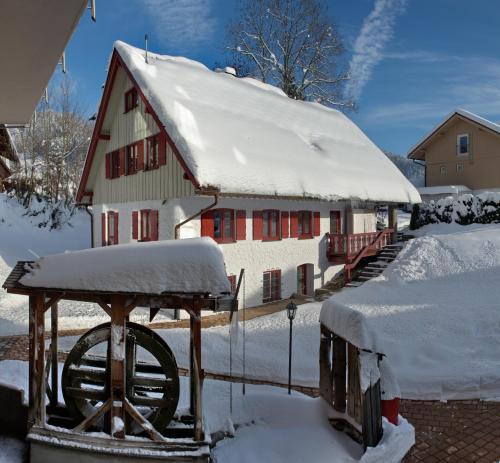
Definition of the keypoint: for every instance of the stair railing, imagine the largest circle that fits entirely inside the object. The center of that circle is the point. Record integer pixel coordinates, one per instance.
(382, 239)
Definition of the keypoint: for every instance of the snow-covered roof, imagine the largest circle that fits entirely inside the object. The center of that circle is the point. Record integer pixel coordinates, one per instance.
(457, 112)
(443, 190)
(242, 136)
(194, 265)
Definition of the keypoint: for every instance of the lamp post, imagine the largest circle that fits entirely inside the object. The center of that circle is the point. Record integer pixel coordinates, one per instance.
(291, 310)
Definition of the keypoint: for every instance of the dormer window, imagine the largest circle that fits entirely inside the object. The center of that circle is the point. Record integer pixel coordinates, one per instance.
(131, 100)
(463, 144)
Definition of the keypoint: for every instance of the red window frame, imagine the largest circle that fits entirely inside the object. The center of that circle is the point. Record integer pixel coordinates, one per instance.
(271, 226)
(131, 159)
(232, 282)
(151, 155)
(224, 226)
(148, 224)
(271, 285)
(335, 223)
(131, 99)
(110, 228)
(305, 225)
(114, 164)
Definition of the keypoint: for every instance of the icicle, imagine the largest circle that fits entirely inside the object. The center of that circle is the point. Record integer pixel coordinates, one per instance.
(63, 62)
(92, 10)
(146, 47)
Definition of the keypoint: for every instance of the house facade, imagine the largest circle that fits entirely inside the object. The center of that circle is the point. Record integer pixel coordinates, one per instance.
(170, 159)
(462, 154)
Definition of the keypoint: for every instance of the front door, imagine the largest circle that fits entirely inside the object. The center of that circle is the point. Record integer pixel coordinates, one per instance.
(335, 225)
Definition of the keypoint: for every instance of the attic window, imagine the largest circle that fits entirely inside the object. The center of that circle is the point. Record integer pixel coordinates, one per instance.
(131, 100)
(463, 144)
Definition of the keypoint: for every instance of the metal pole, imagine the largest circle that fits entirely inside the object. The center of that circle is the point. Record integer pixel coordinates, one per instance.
(290, 360)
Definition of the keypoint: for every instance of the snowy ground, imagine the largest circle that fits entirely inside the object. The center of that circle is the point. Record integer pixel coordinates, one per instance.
(266, 423)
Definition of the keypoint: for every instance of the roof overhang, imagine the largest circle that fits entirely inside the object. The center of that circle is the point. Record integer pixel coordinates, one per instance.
(33, 36)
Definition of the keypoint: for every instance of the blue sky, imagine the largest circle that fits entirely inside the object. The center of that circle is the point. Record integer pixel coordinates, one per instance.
(415, 60)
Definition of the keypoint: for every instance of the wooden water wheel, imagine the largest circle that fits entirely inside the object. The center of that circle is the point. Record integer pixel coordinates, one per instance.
(152, 378)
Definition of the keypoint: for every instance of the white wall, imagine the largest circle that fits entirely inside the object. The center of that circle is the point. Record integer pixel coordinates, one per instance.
(254, 256)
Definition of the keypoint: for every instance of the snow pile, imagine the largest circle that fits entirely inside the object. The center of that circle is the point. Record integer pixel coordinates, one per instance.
(434, 313)
(464, 210)
(189, 265)
(12, 450)
(266, 142)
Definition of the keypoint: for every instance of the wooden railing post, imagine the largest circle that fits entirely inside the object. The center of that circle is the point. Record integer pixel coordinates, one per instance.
(36, 411)
(339, 373)
(325, 365)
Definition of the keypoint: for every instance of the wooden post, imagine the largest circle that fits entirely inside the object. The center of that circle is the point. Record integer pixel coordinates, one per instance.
(36, 411)
(354, 386)
(196, 374)
(53, 354)
(325, 365)
(372, 416)
(339, 373)
(393, 222)
(117, 370)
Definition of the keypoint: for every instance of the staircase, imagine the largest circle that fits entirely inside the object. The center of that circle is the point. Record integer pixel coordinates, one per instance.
(380, 262)
(375, 268)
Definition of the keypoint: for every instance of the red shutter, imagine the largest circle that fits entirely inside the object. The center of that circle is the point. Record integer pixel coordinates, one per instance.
(153, 225)
(207, 224)
(277, 288)
(103, 228)
(317, 224)
(116, 227)
(135, 225)
(121, 157)
(285, 230)
(162, 150)
(294, 224)
(107, 162)
(257, 225)
(241, 225)
(140, 155)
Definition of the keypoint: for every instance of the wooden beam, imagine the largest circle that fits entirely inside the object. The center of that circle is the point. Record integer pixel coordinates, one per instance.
(104, 307)
(54, 370)
(325, 365)
(354, 399)
(142, 422)
(339, 373)
(104, 136)
(117, 369)
(53, 300)
(196, 375)
(36, 410)
(90, 420)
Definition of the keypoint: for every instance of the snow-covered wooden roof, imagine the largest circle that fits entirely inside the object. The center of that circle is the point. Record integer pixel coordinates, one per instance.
(241, 136)
(194, 265)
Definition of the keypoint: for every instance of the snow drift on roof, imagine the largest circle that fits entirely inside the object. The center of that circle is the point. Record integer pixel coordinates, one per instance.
(246, 137)
(194, 265)
(443, 190)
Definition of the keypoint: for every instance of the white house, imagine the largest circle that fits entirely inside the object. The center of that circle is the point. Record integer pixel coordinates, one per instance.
(179, 151)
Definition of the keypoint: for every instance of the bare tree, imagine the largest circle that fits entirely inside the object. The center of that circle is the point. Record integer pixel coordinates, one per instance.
(292, 44)
(52, 148)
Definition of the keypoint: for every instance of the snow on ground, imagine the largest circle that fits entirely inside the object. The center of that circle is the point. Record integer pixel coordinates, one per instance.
(12, 450)
(434, 312)
(267, 424)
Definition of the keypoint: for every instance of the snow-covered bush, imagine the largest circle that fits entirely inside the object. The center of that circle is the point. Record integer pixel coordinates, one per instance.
(464, 210)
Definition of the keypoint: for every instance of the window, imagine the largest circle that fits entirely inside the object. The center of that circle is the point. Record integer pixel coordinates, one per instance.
(271, 289)
(463, 144)
(131, 159)
(148, 225)
(232, 282)
(270, 225)
(109, 226)
(335, 225)
(442, 170)
(304, 224)
(131, 100)
(115, 164)
(223, 225)
(151, 153)
(460, 168)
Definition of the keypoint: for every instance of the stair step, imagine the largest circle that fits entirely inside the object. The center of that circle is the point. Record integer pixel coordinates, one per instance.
(364, 278)
(370, 275)
(377, 264)
(354, 284)
(386, 258)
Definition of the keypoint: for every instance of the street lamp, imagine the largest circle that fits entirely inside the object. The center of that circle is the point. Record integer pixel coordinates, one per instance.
(291, 310)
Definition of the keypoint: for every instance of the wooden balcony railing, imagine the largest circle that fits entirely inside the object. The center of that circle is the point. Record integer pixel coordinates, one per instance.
(351, 248)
